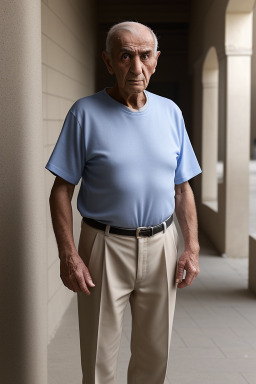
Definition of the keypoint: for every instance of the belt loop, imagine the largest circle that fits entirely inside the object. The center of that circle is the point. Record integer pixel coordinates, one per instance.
(107, 230)
(164, 225)
(138, 233)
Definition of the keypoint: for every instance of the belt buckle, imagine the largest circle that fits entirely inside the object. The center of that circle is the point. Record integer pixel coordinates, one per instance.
(140, 228)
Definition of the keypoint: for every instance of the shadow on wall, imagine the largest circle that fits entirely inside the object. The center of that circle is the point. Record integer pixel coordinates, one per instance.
(165, 89)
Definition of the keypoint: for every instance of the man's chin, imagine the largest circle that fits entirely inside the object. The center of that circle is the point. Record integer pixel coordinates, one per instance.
(138, 88)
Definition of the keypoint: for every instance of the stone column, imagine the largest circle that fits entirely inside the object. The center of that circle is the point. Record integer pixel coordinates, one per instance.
(238, 47)
(237, 154)
(23, 286)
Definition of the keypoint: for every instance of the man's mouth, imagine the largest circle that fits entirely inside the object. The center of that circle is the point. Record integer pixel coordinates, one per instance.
(135, 81)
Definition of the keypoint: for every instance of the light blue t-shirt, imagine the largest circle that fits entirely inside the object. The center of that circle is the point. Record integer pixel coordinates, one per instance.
(128, 161)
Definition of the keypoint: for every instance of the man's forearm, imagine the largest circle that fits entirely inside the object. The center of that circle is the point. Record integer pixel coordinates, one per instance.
(62, 219)
(73, 272)
(186, 214)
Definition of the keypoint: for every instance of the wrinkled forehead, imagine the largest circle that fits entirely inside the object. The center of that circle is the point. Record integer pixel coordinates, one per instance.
(141, 39)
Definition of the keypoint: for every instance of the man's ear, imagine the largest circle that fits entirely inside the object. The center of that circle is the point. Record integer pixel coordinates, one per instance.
(156, 58)
(157, 55)
(108, 61)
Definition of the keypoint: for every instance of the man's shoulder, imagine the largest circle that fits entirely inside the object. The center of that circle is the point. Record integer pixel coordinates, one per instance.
(164, 102)
(87, 101)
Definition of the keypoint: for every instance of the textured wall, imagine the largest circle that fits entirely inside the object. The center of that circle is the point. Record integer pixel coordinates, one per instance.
(23, 323)
(68, 66)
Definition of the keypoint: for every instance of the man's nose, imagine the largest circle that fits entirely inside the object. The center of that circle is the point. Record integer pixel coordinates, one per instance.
(136, 68)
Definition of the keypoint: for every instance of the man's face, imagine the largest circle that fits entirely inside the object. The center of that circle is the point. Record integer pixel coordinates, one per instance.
(132, 60)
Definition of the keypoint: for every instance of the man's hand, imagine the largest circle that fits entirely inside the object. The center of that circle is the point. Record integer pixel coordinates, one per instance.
(74, 274)
(186, 214)
(188, 261)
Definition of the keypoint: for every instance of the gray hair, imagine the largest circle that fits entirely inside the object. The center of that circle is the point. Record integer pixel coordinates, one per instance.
(127, 26)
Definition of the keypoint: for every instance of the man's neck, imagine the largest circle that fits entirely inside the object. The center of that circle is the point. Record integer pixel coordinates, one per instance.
(132, 101)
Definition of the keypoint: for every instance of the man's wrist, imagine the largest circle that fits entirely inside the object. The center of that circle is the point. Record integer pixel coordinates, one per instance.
(67, 251)
(192, 247)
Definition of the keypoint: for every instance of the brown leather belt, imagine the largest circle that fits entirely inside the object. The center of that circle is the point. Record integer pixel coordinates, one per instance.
(138, 232)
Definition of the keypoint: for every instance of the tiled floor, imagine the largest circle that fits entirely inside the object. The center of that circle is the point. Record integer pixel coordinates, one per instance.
(214, 331)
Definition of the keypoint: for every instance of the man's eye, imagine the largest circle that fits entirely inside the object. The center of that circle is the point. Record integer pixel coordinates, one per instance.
(145, 56)
(125, 56)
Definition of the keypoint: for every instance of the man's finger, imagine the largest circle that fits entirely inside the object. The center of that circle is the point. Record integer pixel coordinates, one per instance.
(190, 275)
(66, 283)
(88, 278)
(75, 284)
(182, 284)
(180, 271)
(189, 279)
(82, 284)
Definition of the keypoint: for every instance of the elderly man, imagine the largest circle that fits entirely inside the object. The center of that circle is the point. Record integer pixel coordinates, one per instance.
(132, 151)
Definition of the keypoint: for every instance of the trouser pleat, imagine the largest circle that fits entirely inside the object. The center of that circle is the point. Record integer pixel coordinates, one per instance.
(114, 298)
(152, 305)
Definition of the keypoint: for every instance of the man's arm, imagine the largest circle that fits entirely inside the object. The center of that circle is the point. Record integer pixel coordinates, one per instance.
(186, 214)
(73, 271)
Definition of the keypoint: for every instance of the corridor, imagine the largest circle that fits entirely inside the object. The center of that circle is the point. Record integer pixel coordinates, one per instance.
(51, 55)
(214, 332)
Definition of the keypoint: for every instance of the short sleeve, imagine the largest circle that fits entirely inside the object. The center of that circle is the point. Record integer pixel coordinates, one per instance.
(68, 157)
(187, 164)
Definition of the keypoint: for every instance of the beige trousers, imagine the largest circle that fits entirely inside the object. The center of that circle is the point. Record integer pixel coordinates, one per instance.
(141, 271)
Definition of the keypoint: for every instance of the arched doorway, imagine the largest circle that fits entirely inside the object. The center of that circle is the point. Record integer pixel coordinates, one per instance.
(210, 82)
